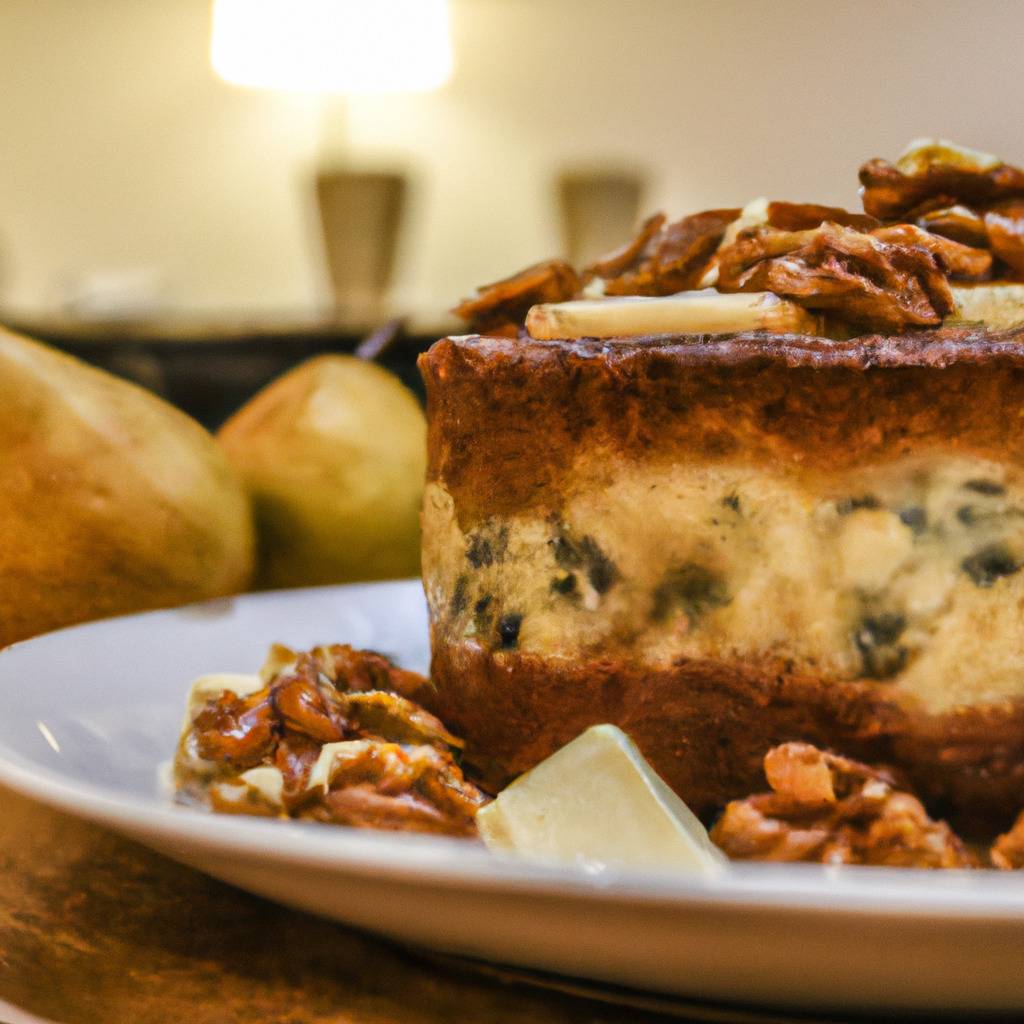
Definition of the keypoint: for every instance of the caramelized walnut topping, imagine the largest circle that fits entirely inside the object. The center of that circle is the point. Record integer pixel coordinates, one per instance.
(391, 762)
(627, 256)
(830, 810)
(664, 258)
(501, 307)
(363, 806)
(1004, 223)
(359, 671)
(803, 216)
(387, 714)
(941, 212)
(347, 669)
(854, 276)
(294, 759)
(1007, 851)
(237, 731)
(956, 222)
(307, 707)
(892, 194)
(376, 784)
(960, 261)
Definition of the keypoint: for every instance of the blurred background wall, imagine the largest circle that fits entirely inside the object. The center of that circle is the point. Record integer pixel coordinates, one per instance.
(125, 164)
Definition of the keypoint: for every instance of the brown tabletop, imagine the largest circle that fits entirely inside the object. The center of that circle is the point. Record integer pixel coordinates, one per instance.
(95, 929)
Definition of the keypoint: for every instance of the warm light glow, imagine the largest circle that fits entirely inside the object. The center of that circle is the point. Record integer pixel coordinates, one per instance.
(332, 45)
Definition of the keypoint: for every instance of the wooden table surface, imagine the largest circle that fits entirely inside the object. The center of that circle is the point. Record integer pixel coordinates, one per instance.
(95, 929)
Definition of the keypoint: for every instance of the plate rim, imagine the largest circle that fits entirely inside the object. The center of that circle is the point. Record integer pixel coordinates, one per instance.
(892, 893)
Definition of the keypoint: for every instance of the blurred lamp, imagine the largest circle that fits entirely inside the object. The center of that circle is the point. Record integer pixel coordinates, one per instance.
(332, 46)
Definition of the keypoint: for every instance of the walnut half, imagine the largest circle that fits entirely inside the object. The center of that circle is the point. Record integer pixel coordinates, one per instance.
(879, 284)
(830, 810)
(1007, 851)
(935, 174)
(664, 258)
(500, 308)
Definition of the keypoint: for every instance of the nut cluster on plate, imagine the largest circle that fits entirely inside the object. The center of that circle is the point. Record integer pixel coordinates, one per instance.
(941, 216)
(334, 735)
(331, 735)
(828, 809)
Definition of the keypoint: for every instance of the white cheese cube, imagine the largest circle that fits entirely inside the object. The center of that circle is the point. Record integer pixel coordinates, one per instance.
(266, 781)
(598, 800)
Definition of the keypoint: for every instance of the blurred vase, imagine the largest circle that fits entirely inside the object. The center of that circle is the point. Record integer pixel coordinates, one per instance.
(360, 216)
(599, 209)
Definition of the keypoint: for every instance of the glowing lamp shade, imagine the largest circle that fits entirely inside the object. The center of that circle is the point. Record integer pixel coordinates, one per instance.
(333, 46)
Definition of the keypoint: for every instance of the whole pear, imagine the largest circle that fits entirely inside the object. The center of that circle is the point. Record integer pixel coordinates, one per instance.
(111, 500)
(334, 456)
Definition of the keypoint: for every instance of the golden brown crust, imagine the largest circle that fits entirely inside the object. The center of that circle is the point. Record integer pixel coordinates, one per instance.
(706, 726)
(760, 395)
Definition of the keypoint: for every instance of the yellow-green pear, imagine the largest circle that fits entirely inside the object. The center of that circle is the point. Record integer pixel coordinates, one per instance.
(111, 500)
(334, 455)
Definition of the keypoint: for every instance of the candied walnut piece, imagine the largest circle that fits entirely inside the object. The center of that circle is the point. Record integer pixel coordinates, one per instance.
(620, 260)
(664, 258)
(238, 732)
(801, 772)
(306, 708)
(363, 806)
(960, 261)
(501, 307)
(394, 767)
(956, 222)
(358, 671)
(854, 276)
(348, 669)
(904, 836)
(749, 830)
(294, 758)
(1004, 223)
(803, 216)
(377, 784)
(1007, 851)
(831, 810)
(387, 714)
(892, 194)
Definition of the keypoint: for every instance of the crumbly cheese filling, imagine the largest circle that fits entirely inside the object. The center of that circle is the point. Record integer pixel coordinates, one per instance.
(906, 573)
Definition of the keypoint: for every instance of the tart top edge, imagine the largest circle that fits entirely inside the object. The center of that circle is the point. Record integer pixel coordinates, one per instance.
(936, 348)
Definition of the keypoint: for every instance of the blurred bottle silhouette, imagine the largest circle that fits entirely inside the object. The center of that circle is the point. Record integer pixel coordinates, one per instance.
(360, 216)
(600, 210)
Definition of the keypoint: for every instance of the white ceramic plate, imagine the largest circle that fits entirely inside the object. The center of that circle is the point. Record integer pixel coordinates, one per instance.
(89, 714)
